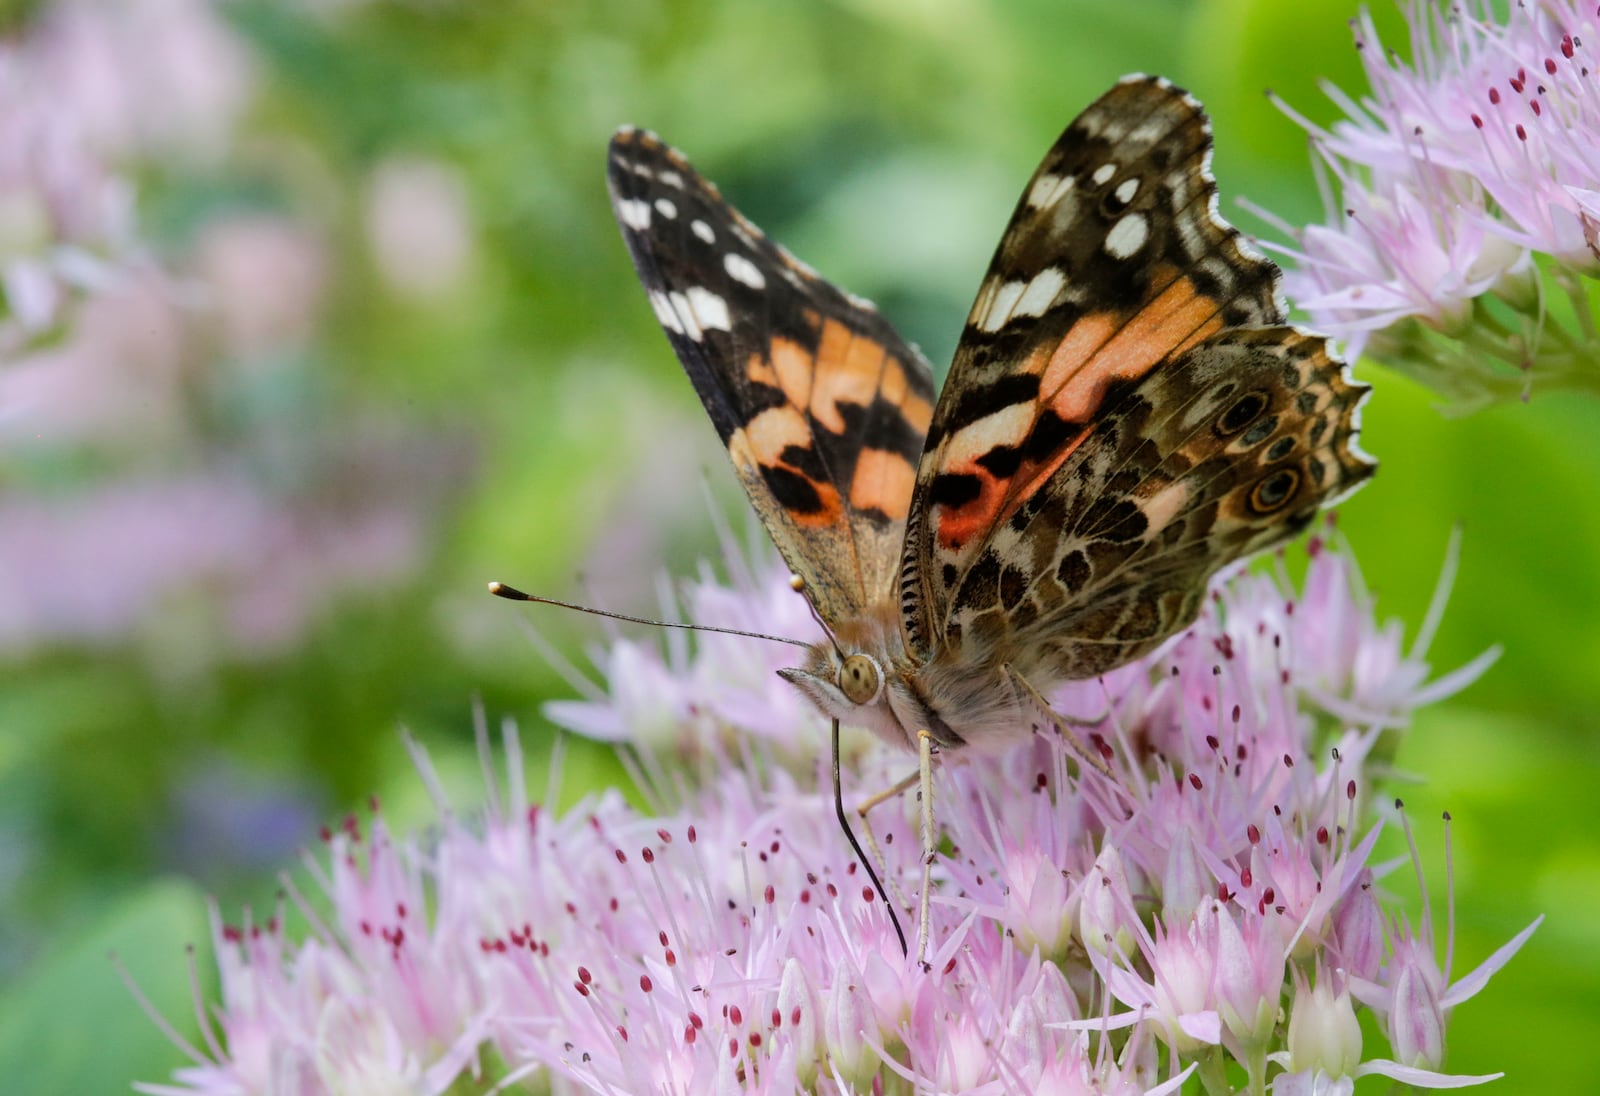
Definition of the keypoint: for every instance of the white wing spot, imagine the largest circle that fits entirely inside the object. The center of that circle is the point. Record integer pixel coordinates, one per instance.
(1151, 131)
(741, 269)
(1127, 190)
(1102, 174)
(634, 213)
(665, 207)
(1001, 302)
(671, 178)
(1048, 189)
(703, 230)
(710, 310)
(1041, 293)
(665, 312)
(1127, 236)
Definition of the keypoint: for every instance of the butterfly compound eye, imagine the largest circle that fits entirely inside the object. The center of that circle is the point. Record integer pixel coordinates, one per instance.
(859, 679)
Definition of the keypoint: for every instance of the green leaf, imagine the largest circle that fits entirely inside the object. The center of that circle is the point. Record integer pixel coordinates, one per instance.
(70, 1024)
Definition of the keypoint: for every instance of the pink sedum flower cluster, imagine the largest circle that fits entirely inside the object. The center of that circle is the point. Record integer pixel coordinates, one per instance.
(177, 379)
(1217, 921)
(1463, 236)
(87, 91)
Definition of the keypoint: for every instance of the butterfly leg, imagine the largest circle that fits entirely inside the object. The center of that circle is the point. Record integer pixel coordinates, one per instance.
(929, 850)
(899, 788)
(1029, 700)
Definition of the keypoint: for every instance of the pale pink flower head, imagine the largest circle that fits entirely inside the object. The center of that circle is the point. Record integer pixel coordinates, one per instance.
(262, 278)
(1447, 184)
(732, 942)
(419, 227)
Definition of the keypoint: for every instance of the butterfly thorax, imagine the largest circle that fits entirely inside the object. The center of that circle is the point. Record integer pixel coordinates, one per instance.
(865, 677)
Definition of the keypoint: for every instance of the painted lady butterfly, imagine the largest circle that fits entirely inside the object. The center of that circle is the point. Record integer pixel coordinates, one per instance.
(1126, 414)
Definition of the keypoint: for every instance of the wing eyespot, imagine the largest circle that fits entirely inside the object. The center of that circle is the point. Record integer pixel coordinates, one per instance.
(1245, 410)
(1273, 491)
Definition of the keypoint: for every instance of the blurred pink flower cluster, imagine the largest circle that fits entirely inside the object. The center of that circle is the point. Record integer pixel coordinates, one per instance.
(177, 374)
(1229, 925)
(88, 90)
(1464, 201)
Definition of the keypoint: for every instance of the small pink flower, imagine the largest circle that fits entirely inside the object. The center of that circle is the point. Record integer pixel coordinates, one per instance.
(1324, 1034)
(1250, 969)
(419, 227)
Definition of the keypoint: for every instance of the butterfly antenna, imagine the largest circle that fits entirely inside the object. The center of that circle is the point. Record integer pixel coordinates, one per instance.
(511, 593)
(798, 585)
(866, 861)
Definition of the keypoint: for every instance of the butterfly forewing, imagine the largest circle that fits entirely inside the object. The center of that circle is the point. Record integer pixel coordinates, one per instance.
(822, 406)
(1125, 413)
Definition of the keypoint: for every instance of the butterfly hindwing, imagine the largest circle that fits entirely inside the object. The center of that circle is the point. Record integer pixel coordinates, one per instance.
(1226, 450)
(822, 406)
(1126, 413)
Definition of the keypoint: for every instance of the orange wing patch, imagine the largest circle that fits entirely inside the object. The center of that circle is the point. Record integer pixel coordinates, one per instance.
(987, 468)
(1101, 347)
(860, 373)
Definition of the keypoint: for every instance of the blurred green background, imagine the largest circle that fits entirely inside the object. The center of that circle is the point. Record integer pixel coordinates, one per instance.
(370, 339)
